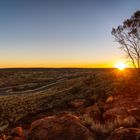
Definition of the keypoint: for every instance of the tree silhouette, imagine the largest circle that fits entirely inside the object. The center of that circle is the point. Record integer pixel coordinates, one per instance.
(128, 36)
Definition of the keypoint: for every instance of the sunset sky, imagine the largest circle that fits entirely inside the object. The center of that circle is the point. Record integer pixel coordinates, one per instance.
(61, 33)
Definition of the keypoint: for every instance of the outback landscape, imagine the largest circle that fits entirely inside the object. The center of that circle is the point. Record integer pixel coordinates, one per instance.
(70, 70)
(88, 104)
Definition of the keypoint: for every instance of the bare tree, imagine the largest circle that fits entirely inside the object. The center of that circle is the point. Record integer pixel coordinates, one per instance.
(128, 36)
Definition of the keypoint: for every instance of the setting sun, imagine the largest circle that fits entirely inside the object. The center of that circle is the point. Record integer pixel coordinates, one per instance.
(120, 65)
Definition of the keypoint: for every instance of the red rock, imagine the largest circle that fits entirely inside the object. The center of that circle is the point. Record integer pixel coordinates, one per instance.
(111, 114)
(125, 134)
(59, 127)
(129, 121)
(18, 131)
(135, 112)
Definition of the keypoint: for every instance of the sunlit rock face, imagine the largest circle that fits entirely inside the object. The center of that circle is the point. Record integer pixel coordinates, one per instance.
(59, 127)
(124, 110)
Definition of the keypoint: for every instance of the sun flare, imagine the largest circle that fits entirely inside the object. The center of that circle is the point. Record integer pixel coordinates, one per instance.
(120, 65)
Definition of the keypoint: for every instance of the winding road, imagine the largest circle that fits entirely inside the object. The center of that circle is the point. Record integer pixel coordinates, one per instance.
(8, 90)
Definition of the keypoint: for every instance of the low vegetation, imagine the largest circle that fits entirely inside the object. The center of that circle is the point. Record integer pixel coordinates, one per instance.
(93, 95)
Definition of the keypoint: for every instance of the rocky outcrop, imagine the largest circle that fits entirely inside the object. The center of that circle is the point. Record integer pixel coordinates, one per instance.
(59, 127)
(123, 109)
(117, 118)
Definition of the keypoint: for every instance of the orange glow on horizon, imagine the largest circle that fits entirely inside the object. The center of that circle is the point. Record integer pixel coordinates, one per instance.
(55, 65)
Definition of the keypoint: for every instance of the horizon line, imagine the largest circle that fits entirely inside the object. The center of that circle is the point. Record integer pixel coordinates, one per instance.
(60, 67)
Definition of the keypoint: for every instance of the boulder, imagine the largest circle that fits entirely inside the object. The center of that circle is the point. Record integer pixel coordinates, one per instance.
(129, 121)
(59, 127)
(18, 131)
(111, 114)
(125, 134)
(135, 112)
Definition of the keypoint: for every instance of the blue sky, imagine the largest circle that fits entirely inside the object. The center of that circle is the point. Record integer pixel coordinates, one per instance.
(61, 33)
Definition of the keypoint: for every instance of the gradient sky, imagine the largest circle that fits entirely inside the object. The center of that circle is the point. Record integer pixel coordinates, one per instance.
(61, 33)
